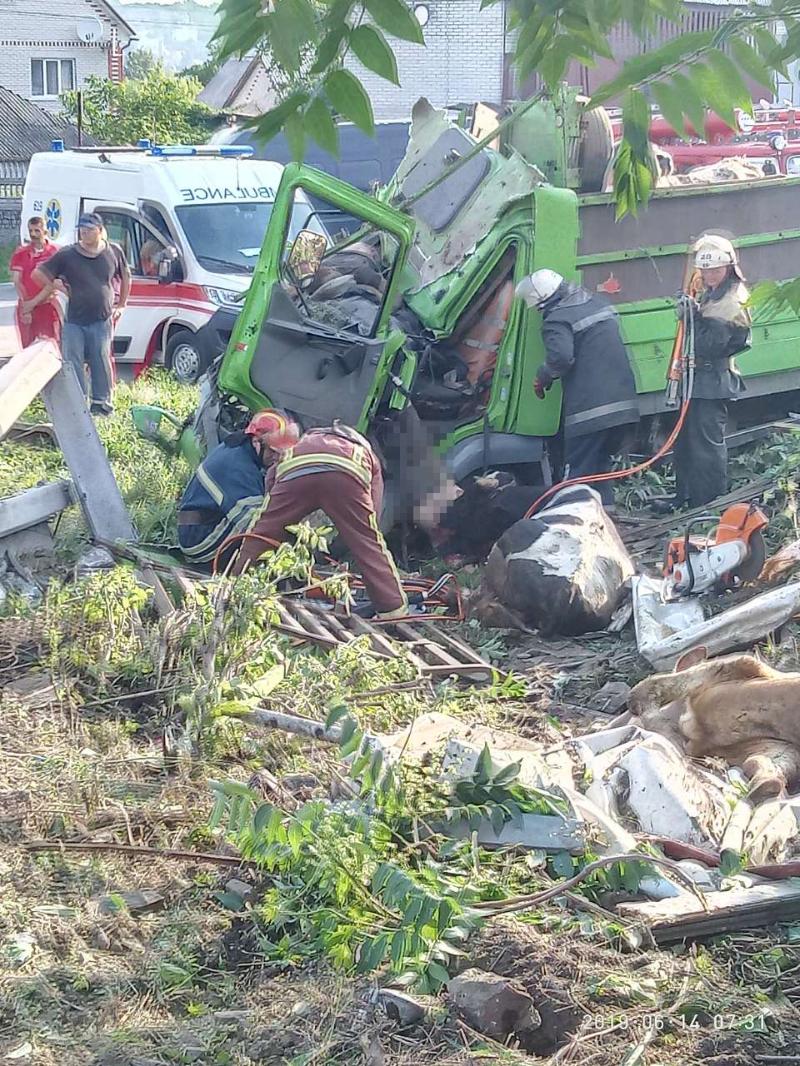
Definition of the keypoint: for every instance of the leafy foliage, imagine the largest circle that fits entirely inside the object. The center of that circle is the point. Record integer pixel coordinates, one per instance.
(160, 106)
(691, 73)
(141, 63)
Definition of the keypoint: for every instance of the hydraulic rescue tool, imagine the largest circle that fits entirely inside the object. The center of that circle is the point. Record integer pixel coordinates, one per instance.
(730, 554)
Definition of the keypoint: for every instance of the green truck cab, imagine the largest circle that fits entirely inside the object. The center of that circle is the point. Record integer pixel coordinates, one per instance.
(441, 248)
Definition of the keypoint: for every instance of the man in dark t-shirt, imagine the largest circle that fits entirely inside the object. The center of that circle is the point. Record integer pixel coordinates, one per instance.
(87, 271)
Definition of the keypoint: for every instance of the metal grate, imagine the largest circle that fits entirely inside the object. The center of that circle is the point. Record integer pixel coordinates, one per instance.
(433, 652)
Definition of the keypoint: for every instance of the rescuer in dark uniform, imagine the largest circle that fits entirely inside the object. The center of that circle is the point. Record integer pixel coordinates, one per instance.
(228, 488)
(721, 331)
(584, 348)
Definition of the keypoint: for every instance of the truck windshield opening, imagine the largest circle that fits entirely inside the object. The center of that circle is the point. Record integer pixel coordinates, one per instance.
(229, 235)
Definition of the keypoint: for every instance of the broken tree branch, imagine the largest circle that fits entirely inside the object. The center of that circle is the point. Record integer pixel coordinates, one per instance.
(520, 903)
(138, 852)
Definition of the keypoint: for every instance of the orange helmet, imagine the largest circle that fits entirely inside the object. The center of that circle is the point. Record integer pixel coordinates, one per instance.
(277, 430)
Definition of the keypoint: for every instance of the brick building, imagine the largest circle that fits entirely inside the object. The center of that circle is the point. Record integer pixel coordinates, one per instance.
(48, 48)
(463, 59)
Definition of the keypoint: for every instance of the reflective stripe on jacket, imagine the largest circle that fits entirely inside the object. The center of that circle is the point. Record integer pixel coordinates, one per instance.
(333, 448)
(229, 482)
(721, 331)
(586, 352)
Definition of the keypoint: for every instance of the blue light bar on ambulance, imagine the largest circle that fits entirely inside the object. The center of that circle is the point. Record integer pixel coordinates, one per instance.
(57, 146)
(177, 150)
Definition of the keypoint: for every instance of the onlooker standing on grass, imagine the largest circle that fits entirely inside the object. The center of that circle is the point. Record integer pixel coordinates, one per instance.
(38, 313)
(88, 271)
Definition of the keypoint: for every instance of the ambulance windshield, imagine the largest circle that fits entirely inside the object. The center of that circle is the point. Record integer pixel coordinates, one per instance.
(228, 236)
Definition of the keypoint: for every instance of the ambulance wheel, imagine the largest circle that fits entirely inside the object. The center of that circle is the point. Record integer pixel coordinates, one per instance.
(184, 357)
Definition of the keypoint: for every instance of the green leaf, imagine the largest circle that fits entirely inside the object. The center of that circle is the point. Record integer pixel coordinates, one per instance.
(691, 101)
(498, 820)
(711, 87)
(372, 48)
(644, 67)
(296, 836)
(507, 774)
(438, 973)
(349, 98)
(398, 949)
(339, 710)
(328, 49)
(220, 803)
(561, 864)
(396, 18)
(631, 876)
(261, 818)
(360, 763)
(670, 105)
(752, 63)
(270, 124)
(735, 89)
(292, 26)
(484, 767)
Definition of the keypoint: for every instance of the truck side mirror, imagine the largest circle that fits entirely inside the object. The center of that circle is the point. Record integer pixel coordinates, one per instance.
(170, 267)
(307, 252)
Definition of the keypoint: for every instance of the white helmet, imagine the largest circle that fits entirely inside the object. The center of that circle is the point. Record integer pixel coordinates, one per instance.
(538, 287)
(712, 251)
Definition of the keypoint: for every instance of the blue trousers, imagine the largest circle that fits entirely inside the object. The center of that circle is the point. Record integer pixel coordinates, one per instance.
(91, 346)
(591, 454)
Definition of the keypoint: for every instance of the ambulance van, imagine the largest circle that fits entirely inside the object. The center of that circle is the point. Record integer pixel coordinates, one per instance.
(190, 221)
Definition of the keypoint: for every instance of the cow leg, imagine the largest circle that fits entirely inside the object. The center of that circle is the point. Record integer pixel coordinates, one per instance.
(771, 769)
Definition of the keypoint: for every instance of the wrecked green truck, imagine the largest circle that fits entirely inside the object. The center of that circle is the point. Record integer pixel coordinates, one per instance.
(413, 312)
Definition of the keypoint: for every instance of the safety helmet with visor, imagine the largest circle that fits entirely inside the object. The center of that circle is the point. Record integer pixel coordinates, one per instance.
(712, 251)
(275, 429)
(539, 287)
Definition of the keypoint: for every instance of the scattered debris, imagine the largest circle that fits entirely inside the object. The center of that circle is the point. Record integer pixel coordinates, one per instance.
(665, 631)
(562, 571)
(611, 698)
(780, 564)
(137, 901)
(671, 920)
(400, 1007)
(493, 1005)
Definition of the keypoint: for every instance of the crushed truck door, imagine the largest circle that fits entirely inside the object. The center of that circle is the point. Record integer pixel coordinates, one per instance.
(315, 335)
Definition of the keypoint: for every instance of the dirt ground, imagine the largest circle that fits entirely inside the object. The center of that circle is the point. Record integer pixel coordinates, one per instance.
(113, 955)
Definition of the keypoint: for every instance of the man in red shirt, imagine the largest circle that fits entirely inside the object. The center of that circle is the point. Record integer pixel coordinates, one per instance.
(38, 313)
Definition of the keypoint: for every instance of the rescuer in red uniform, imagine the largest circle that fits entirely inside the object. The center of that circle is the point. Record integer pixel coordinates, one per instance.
(336, 471)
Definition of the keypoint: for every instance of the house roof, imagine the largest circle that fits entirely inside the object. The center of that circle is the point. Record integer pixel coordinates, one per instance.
(26, 128)
(112, 13)
(226, 84)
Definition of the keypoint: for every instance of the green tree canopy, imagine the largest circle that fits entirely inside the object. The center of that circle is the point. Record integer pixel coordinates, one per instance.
(141, 62)
(160, 106)
(688, 75)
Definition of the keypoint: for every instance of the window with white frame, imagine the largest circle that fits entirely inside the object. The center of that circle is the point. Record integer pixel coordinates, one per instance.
(52, 77)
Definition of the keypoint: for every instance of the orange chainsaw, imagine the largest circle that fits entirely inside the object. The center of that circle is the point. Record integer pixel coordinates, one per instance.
(732, 553)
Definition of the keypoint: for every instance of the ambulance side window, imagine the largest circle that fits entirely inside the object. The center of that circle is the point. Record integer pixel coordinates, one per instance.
(141, 249)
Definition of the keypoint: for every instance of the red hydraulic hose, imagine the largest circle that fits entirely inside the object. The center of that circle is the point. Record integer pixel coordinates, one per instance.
(615, 475)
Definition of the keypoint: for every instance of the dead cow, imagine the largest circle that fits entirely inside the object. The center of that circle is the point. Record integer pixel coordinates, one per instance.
(734, 708)
(562, 571)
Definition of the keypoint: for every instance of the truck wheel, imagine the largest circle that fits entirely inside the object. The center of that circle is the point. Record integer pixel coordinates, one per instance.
(184, 358)
(596, 149)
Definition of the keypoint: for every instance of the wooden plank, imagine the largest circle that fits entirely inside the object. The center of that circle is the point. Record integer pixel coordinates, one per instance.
(683, 917)
(33, 506)
(23, 377)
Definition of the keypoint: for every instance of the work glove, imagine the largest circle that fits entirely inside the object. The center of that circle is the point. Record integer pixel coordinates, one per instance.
(683, 303)
(542, 382)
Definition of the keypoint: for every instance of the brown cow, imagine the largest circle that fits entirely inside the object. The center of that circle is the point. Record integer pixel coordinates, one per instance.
(734, 708)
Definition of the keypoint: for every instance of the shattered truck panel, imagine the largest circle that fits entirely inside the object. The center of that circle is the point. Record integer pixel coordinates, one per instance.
(455, 216)
(435, 330)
